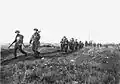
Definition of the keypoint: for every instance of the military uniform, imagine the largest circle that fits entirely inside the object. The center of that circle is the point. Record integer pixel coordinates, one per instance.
(35, 43)
(64, 44)
(18, 44)
(94, 44)
(76, 45)
(61, 43)
(71, 44)
(86, 43)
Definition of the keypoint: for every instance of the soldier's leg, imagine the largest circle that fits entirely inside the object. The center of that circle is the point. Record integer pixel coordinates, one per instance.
(38, 45)
(36, 50)
(61, 47)
(22, 51)
(15, 51)
(66, 48)
(33, 47)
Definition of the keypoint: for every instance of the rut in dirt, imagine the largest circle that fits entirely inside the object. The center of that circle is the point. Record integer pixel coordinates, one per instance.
(31, 57)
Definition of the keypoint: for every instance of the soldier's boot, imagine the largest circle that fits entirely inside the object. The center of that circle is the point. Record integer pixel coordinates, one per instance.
(37, 54)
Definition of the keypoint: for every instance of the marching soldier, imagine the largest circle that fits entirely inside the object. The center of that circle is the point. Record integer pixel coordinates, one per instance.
(76, 44)
(81, 44)
(94, 44)
(18, 43)
(35, 42)
(90, 43)
(71, 44)
(98, 44)
(61, 43)
(86, 43)
(65, 44)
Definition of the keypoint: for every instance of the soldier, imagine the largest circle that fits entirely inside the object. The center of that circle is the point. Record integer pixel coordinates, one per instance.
(65, 44)
(61, 44)
(94, 44)
(18, 43)
(76, 44)
(71, 44)
(81, 44)
(98, 44)
(90, 43)
(86, 43)
(35, 42)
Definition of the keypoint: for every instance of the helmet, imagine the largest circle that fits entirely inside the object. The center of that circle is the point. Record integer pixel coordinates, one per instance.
(17, 31)
(35, 29)
(64, 36)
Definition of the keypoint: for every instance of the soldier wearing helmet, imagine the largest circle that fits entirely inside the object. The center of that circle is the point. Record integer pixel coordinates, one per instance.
(18, 43)
(76, 44)
(71, 44)
(64, 44)
(35, 42)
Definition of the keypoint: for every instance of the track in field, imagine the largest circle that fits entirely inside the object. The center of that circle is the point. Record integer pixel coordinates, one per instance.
(30, 56)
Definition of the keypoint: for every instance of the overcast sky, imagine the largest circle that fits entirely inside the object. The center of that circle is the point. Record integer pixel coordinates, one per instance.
(97, 20)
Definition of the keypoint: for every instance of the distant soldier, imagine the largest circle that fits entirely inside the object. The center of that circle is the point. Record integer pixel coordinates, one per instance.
(76, 44)
(100, 45)
(86, 43)
(35, 42)
(18, 43)
(61, 44)
(71, 44)
(94, 44)
(81, 44)
(65, 44)
(90, 43)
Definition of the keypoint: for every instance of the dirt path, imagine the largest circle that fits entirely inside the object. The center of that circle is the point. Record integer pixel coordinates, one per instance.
(31, 57)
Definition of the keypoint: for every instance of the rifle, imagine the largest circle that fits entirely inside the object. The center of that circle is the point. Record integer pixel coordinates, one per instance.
(11, 45)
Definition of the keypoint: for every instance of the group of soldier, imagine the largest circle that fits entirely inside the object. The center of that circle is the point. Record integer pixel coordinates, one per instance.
(34, 42)
(66, 45)
(73, 44)
(90, 43)
(70, 45)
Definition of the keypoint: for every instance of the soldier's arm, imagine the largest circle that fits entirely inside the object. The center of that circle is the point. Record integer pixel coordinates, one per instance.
(31, 39)
(13, 41)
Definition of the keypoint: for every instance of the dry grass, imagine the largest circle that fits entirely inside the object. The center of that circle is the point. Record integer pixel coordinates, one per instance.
(99, 67)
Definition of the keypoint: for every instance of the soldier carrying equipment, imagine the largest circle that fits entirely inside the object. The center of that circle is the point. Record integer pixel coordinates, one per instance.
(64, 44)
(18, 43)
(61, 44)
(35, 42)
(76, 44)
(71, 44)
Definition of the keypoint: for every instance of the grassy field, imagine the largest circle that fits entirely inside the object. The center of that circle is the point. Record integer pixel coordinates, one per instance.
(86, 66)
